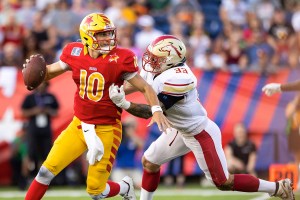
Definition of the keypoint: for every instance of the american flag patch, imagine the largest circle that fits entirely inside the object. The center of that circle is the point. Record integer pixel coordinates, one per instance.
(76, 51)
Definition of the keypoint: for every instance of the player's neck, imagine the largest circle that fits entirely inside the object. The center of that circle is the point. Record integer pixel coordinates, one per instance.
(94, 54)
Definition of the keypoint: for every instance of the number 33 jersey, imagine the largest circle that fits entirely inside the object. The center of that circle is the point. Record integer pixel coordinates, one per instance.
(176, 89)
(93, 78)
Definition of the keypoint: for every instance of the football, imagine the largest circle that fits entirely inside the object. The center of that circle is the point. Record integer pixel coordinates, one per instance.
(34, 71)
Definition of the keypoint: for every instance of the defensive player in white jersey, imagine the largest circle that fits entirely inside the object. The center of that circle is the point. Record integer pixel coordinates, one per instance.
(175, 84)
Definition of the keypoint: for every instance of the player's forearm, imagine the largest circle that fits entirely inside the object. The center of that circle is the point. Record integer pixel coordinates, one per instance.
(290, 86)
(54, 70)
(150, 96)
(140, 110)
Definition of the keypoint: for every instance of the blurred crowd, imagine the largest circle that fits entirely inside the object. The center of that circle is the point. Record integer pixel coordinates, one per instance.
(230, 35)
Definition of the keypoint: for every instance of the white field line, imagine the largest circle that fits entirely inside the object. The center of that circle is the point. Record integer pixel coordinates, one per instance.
(160, 192)
(264, 196)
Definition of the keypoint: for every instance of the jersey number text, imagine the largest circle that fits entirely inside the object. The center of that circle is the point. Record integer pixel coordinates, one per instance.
(93, 91)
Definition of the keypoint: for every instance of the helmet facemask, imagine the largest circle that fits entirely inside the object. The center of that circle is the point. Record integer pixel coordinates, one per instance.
(105, 45)
(152, 63)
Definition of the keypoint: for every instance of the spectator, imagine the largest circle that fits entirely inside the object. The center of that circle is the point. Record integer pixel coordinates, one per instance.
(259, 54)
(236, 59)
(10, 61)
(264, 11)
(119, 10)
(126, 160)
(292, 113)
(200, 43)
(27, 11)
(295, 23)
(12, 31)
(65, 22)
(39, 107)
(241, 152)
(147, 32)
(19, 160)
(235, 12)
(282, 39)
(46, 38)
(30, 46)
(183, 12)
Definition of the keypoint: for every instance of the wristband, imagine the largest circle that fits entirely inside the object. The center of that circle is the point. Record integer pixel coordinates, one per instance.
(156, 108)
(125, 104)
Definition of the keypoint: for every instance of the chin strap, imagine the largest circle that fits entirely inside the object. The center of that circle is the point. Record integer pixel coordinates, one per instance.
(85, 49)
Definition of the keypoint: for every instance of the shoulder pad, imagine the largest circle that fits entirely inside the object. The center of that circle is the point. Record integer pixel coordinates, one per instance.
(178, 84)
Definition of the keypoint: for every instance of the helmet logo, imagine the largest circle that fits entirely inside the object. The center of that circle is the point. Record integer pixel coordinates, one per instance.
(105, 20)
(168, 49)
(89, 20)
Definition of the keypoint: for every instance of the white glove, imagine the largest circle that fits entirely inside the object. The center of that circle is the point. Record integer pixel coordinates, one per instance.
(271, 89)
(93, 142)
(117, 95)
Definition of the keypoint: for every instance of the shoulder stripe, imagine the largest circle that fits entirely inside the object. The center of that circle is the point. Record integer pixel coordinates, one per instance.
(166, 83)
(172, 94)
(178, 89)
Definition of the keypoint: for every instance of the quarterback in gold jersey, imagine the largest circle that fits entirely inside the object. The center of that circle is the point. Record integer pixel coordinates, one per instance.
(96, 63)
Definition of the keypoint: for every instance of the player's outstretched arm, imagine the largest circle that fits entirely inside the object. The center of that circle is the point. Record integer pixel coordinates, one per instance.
(273, 88)
(117, 95)
(55, 69)
(157, 114)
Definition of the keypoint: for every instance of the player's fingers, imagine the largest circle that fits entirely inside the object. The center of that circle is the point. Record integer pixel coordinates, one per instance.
(269, 93)
(150, 123)
(165, 126)
(122, 89)
(168, 130)
(110, 88)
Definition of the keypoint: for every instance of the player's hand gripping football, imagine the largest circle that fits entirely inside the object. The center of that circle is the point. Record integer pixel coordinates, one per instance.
(34, 71)
(271, 89)
(93, 142)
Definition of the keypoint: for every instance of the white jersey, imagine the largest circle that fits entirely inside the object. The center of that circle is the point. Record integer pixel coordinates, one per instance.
(187, 115)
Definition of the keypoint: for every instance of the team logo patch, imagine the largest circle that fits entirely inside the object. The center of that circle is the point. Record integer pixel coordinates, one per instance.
(76, 51)
(114, 57)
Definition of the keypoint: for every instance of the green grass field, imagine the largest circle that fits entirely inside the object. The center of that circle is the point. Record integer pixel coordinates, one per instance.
(188, 193)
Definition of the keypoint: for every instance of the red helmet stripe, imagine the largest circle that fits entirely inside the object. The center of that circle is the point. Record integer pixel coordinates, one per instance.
(163, 37)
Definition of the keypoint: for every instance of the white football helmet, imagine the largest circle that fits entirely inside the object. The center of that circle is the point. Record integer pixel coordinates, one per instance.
(163, 53)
